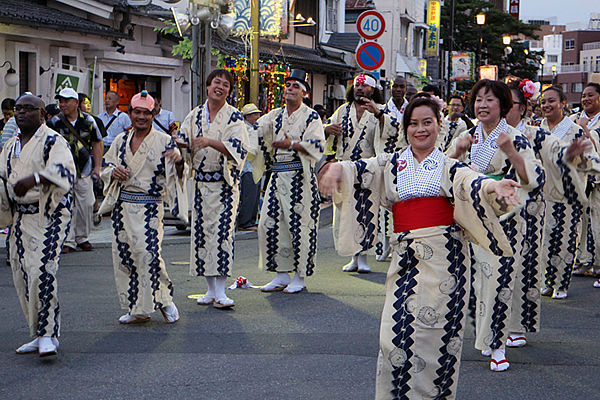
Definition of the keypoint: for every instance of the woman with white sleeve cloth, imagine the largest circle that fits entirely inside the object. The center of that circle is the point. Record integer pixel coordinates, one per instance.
(565, 173)
(499, 151)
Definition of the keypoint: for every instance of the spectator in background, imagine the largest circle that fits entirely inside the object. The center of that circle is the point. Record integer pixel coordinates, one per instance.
(164, 120)
(321, 111)
(81, 132)
(411, 90)
(432, 89)
(115, 121)
(85, 105)
(51, 111)
(250, 191)
(8, 106)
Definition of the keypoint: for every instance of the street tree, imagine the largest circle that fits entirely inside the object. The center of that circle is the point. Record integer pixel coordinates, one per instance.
(497, 24)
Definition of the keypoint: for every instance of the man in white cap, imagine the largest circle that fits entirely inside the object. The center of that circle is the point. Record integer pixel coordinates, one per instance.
(142, 168)
(37, 169)
(361, 128)
(84, 137)
(290, 142)
(249, 190)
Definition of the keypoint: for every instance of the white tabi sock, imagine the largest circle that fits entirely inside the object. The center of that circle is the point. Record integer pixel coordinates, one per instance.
(362, 263)
(499, 361)
(352, 266)
(221, 281)
(296, 285)
(211, 282)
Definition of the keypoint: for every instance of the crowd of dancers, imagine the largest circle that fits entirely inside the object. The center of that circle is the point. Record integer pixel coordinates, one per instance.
(461, 208)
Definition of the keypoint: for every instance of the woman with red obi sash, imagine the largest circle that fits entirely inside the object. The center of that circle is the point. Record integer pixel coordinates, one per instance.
(438, 204)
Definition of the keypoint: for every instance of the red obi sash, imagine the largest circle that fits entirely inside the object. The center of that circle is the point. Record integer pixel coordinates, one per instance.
(422, 212)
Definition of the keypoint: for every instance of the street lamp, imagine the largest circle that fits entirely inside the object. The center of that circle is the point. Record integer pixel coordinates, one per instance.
(480, 22)
(542, 62)
(553, 74)
(11, 78)
(507, 51)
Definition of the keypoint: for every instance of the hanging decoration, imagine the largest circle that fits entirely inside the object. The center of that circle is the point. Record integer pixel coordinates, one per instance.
(238, 66)
(273, 19)
(272, 79)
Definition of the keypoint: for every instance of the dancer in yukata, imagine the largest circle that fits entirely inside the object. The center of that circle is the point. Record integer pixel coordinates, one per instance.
(142, 168)
(38, 173)
(438, 204)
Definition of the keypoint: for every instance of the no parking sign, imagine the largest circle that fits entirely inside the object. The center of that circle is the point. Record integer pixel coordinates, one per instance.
(370, 56)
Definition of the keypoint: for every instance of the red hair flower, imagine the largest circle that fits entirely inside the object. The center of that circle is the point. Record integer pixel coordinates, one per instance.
(527, 87)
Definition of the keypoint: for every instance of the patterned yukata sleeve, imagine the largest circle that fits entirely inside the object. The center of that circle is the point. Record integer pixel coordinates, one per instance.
(235, 139)
(59, 167)
(536, 175)
(263, 136)
(336, 118)
(474, 211)
(569, 177)
(176, 191)
(6, 215)
(357, 203)
(114, 157)
(391, 135)
(452, 147)
(185, 135)
(313, 139)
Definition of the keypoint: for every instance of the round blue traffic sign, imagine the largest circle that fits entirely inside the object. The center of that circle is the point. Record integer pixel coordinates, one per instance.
(370, 56)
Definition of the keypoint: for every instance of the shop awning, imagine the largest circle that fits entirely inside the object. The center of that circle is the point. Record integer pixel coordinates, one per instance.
(407, 65)
(310, 60)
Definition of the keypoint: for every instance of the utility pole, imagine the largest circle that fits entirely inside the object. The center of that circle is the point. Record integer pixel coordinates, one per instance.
(254, 50)
(450, 49)
(196, 75)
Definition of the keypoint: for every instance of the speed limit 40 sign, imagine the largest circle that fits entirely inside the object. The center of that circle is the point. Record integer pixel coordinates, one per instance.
(370, 25)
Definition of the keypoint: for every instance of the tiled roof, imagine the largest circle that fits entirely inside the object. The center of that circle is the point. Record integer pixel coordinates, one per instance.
(302, 57)
(344, 41)
(359, 4)
(36, 15)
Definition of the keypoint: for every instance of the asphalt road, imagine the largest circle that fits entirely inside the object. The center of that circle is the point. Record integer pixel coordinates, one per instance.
(319, 344)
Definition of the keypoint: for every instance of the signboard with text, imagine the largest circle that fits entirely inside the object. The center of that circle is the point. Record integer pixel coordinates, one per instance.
(513, 8)
(433, 35)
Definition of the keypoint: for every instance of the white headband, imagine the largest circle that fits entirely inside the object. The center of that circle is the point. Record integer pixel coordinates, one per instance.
(302, 85)
(367, 80)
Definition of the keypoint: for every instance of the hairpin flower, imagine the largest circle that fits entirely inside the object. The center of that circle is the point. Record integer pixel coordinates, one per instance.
(527, 87)
(439, 102)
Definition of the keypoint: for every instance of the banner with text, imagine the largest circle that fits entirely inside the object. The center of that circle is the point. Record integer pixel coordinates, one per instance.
(433, 35)
(462, 66)
(513, 8)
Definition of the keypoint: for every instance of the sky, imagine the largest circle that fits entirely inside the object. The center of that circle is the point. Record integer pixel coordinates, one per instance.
(566, 11)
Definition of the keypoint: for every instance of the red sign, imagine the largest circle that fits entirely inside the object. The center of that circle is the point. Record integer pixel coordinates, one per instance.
(370, 25)
(513, 8)
(370, 56)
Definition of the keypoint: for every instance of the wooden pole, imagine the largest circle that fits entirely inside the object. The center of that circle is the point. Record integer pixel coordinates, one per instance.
(254, 22)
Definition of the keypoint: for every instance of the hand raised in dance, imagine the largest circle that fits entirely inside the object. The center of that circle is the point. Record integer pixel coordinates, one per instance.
(578, 147)
(505, 191)
(330, 179)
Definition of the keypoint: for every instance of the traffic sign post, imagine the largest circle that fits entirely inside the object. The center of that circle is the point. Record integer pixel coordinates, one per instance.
(370, 25)
(370, 56)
